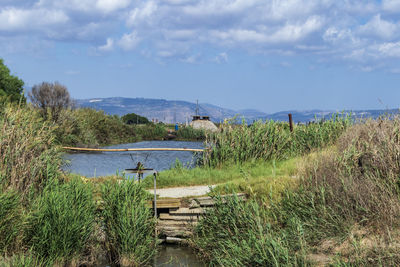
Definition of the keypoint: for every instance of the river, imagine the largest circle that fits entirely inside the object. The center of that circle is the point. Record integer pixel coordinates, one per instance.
(111, 163)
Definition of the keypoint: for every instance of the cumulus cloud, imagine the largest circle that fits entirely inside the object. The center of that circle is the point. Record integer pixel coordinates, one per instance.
(357, 30)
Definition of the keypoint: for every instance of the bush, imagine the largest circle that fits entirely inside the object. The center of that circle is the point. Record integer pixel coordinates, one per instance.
(189, 133)
(61, 224)
(133, 118)
(128, 224)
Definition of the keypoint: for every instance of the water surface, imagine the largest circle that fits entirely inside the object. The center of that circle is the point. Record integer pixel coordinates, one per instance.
(109, 163)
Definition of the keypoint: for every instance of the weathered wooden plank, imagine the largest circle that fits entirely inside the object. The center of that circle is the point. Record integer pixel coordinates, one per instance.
(166, 216)
(187, 212)
(172, 203)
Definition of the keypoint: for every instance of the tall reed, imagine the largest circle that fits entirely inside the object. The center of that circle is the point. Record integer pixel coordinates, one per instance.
(11, 222)
(271, 140)
(128, 224)
(61, 224)
(28, 157)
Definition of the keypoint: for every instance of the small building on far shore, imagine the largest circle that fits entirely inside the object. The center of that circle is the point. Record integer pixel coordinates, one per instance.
(204, 123)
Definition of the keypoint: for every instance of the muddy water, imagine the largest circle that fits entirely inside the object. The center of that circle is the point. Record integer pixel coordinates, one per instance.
(176, 256)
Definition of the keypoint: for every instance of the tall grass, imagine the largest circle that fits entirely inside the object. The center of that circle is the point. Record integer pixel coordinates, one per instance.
(61, 224)
(189, 133)
(350, 186)
(271, 140)
(11, 222)
(128, 224)
(236, 233)
(28, 157)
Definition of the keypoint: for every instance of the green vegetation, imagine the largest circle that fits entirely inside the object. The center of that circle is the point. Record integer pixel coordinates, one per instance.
(343, 212)
(271, 140)
(61, 223)
(128, 224)
(132, 118)
(189, 133)
(49, 219)
(11, 87)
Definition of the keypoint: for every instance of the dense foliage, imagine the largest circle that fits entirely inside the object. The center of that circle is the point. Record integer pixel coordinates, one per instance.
(132, 118)
(128, 224)
(11, 87)
(271, 140)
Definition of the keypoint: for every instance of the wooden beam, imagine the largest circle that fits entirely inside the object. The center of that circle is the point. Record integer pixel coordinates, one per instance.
(131, 149)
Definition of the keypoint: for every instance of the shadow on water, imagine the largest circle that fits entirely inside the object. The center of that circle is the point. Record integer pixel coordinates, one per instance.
(176, 256)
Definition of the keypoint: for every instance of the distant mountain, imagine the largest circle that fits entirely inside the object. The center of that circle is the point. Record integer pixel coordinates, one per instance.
(171, 111)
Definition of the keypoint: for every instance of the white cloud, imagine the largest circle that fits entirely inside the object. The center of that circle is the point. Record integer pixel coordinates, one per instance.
(129, 41)
(391, 5)
(380, 28)
(12, 19)
(108, 46)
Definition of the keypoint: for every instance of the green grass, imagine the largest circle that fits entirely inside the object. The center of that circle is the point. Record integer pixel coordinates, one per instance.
(128, 224)
(271, 140)
(61, 224)
(234, 175)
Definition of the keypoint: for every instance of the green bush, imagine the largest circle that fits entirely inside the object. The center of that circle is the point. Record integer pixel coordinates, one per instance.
(133, 118)
(61, 224)
(189, 133)
(128, 224)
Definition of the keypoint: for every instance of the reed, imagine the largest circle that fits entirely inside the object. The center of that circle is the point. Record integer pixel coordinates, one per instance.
(11, 222)
(128, 224)
(271, 140)
(61, 223)
(28, 157)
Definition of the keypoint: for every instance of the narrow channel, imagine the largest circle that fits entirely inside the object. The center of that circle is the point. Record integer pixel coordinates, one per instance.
(111, 163)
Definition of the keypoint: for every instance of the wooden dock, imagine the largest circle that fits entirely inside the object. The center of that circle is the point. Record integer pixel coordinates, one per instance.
(176, 221)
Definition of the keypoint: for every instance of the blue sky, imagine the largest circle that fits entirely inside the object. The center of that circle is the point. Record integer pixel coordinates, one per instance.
(259, 54)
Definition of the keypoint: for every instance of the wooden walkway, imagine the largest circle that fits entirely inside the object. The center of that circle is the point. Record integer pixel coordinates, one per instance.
(176, 221)
(131, 149)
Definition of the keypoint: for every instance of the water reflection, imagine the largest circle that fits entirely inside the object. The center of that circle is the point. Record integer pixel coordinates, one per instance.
(110, 163)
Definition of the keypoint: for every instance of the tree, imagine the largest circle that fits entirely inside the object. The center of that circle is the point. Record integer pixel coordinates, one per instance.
(132, 118)
(11, 87)
(50, 98)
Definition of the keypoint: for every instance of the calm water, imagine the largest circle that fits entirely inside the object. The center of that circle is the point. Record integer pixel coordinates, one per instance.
(109, 163)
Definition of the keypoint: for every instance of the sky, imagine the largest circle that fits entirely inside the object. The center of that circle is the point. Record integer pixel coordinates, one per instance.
(270, 55)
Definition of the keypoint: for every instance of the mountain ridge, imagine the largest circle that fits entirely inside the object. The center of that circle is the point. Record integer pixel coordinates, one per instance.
(171, 111)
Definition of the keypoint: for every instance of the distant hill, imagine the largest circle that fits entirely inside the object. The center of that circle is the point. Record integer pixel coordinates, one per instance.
(171, 111)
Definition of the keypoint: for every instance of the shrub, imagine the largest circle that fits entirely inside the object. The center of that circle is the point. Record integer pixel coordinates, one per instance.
(128, 224)
(61, 224)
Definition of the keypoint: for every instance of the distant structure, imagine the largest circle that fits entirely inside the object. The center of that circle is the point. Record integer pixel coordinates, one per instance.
(202, 122)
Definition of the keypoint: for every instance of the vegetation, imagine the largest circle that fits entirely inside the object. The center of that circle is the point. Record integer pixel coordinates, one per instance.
(189, 133)
(50, 99)
(132, 118)
(11, 87)
(128, 224)
(61, 224)
(271, 140)
(344, 210)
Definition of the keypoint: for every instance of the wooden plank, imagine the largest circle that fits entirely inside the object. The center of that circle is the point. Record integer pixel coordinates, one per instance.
(132, 149)
(187, 212)
(172, 203)
(166, 216)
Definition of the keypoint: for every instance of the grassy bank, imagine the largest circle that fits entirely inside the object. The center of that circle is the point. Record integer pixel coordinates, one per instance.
(49, 219)
(343, 212)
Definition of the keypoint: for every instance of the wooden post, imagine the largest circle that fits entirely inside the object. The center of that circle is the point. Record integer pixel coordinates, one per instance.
(155, 203)
(291, 122)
